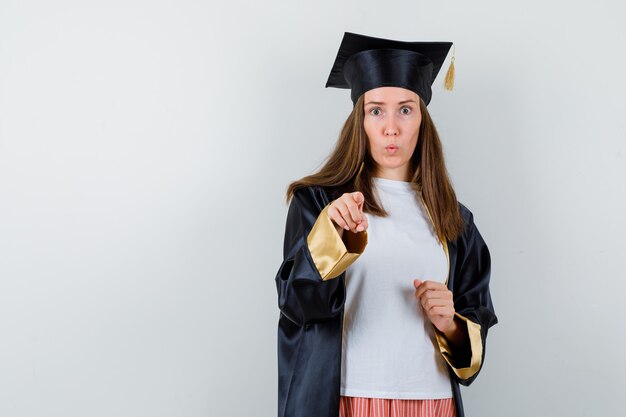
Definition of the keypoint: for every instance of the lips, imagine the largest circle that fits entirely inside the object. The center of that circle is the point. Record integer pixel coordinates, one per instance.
(391, 149)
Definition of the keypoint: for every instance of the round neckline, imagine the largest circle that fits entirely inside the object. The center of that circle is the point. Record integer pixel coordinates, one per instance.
(397, 185)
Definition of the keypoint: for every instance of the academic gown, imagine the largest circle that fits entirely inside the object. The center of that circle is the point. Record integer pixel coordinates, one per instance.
(312, 292)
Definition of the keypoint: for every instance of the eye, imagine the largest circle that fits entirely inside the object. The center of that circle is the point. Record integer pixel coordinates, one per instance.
(405, 110)
(375, 111)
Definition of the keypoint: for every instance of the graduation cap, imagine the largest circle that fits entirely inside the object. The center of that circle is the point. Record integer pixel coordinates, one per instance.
(364, 62)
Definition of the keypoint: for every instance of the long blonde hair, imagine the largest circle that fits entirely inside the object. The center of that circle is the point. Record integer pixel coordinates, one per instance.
(350, 166)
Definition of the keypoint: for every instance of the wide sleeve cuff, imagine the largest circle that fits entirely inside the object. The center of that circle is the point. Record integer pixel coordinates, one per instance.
(475, 344)
(331, 254)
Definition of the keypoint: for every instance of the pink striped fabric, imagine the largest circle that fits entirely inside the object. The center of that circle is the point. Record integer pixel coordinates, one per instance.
(382, 407)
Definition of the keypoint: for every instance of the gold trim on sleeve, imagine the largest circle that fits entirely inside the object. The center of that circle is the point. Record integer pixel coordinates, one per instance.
(476, 346)
(473, 329)
(331, 254)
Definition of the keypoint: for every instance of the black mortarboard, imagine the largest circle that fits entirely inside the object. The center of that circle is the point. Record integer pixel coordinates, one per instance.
(364, 63)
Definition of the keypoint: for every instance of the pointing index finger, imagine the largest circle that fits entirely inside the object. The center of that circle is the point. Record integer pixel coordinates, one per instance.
(354, 211)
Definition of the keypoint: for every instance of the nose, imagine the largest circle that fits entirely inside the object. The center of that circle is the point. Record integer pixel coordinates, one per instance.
(391, 128)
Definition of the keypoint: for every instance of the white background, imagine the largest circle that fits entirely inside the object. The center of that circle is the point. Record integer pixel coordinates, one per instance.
(145, 148)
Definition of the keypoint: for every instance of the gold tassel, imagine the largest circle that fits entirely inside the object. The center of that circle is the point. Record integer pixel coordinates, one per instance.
(449, 81)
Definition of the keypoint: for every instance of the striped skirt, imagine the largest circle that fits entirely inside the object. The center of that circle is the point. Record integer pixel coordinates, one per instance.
(382, 407)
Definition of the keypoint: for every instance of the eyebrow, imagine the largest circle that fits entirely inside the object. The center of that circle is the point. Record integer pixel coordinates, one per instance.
(380, 102)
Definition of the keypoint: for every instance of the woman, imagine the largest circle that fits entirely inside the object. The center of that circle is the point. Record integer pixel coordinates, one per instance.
(392, 330)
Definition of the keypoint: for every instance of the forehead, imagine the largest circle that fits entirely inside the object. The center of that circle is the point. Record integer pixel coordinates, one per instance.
(389, 95)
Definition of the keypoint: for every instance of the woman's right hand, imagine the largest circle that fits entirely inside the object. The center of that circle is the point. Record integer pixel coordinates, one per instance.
(347, 212)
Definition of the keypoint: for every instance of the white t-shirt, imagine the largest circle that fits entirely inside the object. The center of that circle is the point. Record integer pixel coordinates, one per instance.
(389, 348)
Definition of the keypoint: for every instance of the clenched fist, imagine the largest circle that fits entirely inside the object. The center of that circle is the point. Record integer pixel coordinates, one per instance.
(347, 212)
(436, 300)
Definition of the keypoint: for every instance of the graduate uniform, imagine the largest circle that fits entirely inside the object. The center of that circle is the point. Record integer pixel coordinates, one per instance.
(311, 283)
(311, 296)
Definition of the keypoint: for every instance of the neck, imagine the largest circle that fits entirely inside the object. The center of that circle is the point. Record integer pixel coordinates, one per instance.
(397, 174)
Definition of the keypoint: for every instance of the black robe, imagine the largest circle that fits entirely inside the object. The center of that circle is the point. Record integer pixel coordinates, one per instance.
(311, 297)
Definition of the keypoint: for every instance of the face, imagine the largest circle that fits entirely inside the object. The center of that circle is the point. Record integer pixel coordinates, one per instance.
(392, 120)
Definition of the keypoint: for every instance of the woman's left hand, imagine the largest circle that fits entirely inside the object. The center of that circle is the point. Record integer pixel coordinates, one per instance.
(436, 300)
